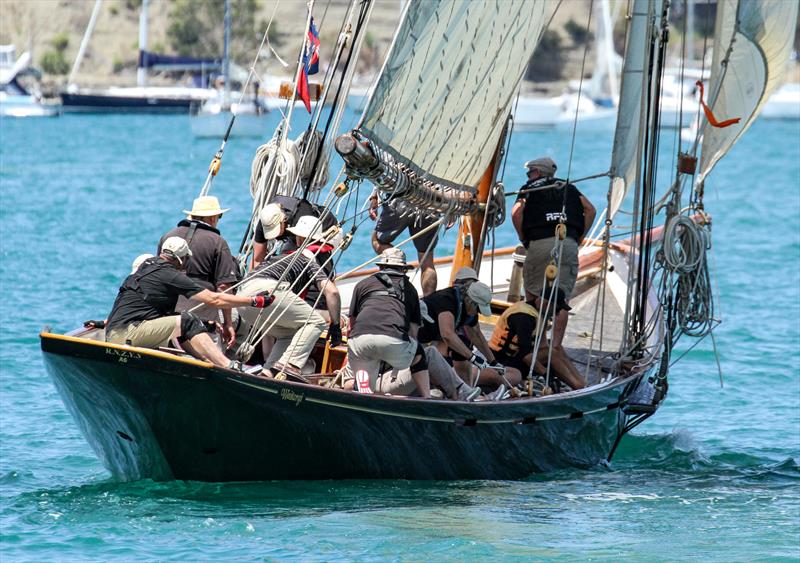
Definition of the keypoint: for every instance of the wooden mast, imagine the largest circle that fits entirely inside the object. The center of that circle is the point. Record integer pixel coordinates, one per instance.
(472, 231)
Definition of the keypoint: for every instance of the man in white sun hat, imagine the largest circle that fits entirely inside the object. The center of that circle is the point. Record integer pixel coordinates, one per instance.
(143, 312)
(278, 215)
(212, 265)
(291, 321)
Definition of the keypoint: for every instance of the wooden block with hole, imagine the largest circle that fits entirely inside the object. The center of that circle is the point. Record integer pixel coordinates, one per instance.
(287, 88)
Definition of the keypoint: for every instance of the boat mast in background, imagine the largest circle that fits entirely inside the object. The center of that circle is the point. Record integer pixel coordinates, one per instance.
(141, 71)
(84, 43)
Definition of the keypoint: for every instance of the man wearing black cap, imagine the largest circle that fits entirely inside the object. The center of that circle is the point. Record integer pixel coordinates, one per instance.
(543, 204)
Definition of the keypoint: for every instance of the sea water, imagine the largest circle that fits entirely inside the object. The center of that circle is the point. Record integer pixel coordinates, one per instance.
(713, 476)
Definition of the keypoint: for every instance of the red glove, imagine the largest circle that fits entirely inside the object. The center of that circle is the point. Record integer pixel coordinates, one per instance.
(262, 301)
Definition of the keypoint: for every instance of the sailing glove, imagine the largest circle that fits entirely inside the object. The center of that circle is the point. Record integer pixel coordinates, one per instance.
(498, 367)
(335, 335)
(478, 361)
(262, 301)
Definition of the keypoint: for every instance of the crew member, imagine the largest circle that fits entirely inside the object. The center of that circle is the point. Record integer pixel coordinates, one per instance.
(290, 320)
(384, 319)
(211, 264)
(396, 217)
(142, 314)
(276, 216)
(535, 215)
(452, 308)
(514, 338)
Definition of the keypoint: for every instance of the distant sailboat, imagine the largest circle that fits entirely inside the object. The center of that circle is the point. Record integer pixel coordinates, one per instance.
(214, 116)
(141, 98)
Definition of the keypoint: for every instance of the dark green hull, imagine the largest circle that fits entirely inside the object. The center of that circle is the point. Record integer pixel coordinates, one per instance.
(149, 416)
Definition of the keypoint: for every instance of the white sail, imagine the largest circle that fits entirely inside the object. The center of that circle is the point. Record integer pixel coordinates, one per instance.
(447, 86)
(628, 137)
(753, 40)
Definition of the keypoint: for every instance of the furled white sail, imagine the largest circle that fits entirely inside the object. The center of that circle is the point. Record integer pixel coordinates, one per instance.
(628, 137)
(447, 86)
(753, 40)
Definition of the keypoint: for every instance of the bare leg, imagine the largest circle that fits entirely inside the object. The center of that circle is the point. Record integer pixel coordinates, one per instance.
(490, 377)
(428, 279)
(378, 246)
(465, 371)
(560, 327)
(203, 347)
(562, 367)
(423, 382)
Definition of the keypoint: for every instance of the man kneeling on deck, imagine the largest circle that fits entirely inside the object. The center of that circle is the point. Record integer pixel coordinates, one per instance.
(142, 312)
(384, 318)
(514, 338)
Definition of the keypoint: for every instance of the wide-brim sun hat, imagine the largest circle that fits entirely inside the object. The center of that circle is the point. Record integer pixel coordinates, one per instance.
(206, 206)
(308, 227)
(481, 295)
(466, 273)
(271, 218)
(393, 258)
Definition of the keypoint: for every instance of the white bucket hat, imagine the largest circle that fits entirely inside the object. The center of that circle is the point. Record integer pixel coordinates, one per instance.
(466, 273)
(138, 261)
(480, 293)
(308, 227)
(177, 248)
(271, 217)
(206, 206)
(394, 258)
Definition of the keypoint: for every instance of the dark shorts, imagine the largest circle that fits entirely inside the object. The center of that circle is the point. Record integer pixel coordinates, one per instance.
(390, 224)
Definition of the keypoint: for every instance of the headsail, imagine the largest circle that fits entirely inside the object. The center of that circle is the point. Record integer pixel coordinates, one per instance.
(442, 99)
(630, 126)
(751, 51)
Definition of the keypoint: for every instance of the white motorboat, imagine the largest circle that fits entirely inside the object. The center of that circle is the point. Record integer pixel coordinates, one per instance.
(559, 112)
(783, 104)
(15, 99)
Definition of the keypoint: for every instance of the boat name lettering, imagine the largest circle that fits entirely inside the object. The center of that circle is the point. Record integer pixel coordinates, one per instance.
(123, 355)
(289, 395)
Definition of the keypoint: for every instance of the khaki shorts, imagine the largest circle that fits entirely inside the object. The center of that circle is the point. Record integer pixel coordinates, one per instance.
(146, 334)
(538, 257)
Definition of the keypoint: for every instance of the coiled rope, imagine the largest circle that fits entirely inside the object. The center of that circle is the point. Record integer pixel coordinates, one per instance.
(684, 253)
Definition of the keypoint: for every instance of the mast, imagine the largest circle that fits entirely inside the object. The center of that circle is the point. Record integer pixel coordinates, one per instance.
(472, 232)
(84, 42)
(141, 72)
(226, 63)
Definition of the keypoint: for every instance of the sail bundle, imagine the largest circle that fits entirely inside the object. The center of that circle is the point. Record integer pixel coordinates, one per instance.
(446, 89)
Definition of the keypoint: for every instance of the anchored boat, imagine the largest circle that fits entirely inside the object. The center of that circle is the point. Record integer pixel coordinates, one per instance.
(434, 134)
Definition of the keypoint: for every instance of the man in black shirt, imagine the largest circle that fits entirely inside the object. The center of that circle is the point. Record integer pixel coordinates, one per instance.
(291, 321)
(211, 264)
(384, 319)
(142, 314)
(514, 338)
(273, 220)
(452, 308)
(535, 215)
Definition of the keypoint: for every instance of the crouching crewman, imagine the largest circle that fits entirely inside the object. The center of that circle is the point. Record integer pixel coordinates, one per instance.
(142, 314)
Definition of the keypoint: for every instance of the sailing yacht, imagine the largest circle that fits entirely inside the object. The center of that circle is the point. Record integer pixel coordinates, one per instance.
(214, 116)
(141, 98)
(437, 141)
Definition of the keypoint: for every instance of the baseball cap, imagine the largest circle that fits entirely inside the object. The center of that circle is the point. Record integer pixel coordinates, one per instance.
(177, 248)
(480, 293)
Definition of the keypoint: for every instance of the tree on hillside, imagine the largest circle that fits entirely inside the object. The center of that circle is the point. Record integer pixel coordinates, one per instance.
(196, 28)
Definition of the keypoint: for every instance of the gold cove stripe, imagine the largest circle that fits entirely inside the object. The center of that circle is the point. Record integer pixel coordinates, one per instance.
(143, 351)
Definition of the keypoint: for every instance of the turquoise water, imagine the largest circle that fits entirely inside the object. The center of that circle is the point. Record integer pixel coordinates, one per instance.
(713, 476)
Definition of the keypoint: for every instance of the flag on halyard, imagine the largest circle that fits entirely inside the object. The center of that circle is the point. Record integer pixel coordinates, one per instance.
(310, 64)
